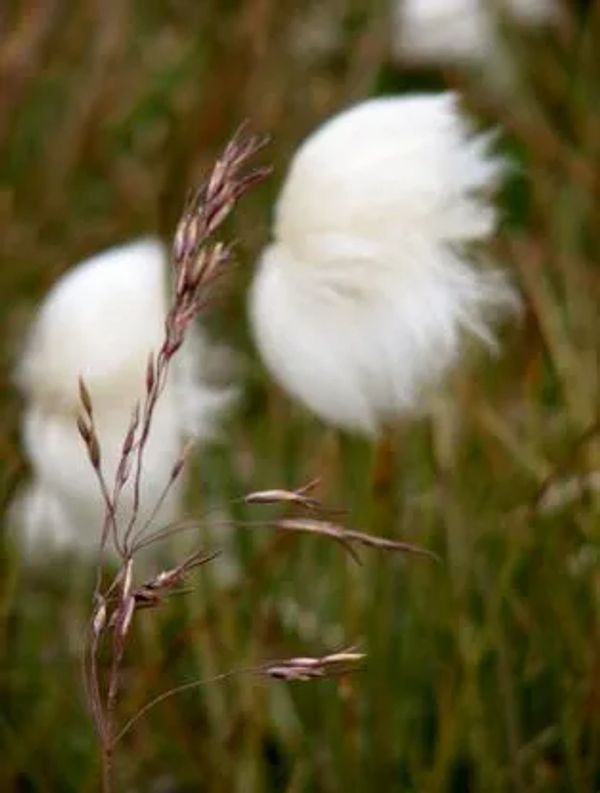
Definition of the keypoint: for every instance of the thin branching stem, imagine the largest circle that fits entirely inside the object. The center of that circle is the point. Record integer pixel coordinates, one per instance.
(171, 693)
(199, 263)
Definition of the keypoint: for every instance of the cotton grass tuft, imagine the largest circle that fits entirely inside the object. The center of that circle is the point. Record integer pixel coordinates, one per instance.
(100, 322)
(372, 283)
(461, 31)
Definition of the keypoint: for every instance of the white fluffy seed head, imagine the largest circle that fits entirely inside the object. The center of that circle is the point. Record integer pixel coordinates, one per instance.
(363, 300)
(101, 321)
(460, 31)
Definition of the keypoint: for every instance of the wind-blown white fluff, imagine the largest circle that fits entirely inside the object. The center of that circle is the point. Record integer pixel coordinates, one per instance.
(363, 299)
(447, 31)
(101, 320)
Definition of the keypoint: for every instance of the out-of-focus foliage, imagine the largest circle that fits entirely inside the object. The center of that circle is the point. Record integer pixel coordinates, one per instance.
(484, 672)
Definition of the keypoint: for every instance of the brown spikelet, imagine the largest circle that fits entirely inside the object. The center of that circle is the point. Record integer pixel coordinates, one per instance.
(84, 430)
(310, 668)
(94, 450)
(85, 398)
(133, 425)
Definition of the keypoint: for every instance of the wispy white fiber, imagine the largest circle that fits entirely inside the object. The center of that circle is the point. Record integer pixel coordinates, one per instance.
(449, 31)
(371, 285)
(100, 321)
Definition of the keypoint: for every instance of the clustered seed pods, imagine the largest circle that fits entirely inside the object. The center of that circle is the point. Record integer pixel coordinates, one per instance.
(199, 263)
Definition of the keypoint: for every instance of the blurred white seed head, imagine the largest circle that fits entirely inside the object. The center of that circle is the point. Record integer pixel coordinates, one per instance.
(101, 321)
(364, 298)
(460, 31)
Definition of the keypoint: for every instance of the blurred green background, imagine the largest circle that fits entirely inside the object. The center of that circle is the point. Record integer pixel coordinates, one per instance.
(483, 673)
